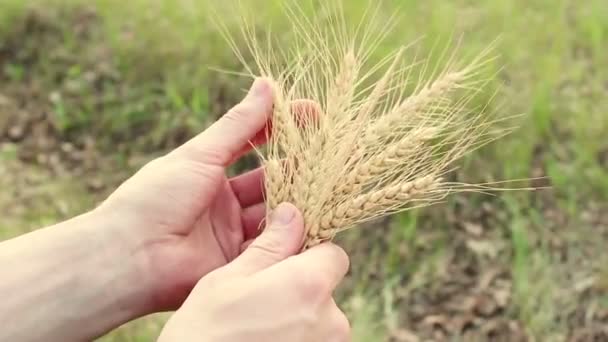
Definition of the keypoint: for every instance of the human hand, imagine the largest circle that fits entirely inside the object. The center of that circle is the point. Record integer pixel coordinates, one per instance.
(182, 216)
(147, 245)
(268, 293)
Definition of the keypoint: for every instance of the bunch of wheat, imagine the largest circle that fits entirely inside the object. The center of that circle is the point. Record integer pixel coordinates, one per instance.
(378, 138)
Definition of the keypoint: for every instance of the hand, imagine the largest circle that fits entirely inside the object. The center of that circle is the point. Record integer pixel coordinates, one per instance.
(267, 293)
(144, 248)
(182, 215)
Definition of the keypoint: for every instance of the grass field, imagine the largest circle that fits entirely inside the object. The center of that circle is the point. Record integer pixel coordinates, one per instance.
(90, 90)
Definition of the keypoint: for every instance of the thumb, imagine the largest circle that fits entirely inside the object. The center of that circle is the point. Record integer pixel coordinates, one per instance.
(231, 134)
(281, 239)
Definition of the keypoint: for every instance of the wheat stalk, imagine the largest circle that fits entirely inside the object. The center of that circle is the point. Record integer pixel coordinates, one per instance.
(374, 148)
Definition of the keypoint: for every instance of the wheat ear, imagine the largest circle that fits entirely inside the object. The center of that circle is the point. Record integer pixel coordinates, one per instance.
(376, 147)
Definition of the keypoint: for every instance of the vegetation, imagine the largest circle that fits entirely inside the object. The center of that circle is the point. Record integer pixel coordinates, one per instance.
(90, 90)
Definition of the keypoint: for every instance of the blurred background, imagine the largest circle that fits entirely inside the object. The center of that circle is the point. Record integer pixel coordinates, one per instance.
(90, 90)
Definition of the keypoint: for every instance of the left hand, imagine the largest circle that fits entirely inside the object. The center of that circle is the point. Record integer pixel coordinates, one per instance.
(148, 244)
(180, 213)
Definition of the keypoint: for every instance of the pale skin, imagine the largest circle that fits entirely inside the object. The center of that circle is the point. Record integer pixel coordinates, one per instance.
(179, 235)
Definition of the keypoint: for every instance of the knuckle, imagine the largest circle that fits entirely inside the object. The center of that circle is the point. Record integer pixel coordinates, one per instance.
(214, 278)
(236, 113)
(342, 327)
(200, 150)
(269, 249)
(314, 288)
(210, 154)
(309, 318)
(340, 258)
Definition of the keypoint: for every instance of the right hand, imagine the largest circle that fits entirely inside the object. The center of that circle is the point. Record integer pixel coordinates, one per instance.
(268, 293)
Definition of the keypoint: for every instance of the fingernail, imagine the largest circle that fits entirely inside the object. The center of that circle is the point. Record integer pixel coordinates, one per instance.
(283, 214)
(258, 88)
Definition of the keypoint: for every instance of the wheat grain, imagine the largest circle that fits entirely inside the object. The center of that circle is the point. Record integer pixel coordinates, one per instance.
(374, 148)
(394, 154)
(339, 95)
(369, 204)
(277, 188)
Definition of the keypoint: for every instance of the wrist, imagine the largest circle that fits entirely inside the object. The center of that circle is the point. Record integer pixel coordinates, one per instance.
(83, 274)
(123, 265)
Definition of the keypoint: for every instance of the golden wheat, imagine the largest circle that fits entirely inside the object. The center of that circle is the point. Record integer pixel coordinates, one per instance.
(375, 146)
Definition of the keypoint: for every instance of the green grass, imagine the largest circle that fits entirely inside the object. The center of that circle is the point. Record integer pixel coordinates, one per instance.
(136, 76)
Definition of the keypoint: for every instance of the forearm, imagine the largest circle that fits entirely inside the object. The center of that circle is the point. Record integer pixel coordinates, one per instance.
(67, 283)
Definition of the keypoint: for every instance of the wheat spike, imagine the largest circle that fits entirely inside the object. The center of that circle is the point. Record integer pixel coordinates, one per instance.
(375, 147)
(369, 205)
(383, 161)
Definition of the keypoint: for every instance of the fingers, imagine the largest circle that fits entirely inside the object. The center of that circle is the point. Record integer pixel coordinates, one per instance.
(306, 112)
(227, 137)
(252, 219)
(340, 329)
(249, 187)
(282, 238)
(327, 263)
(311, 276)
(244, 126)
(335, 323)
(245, 245)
